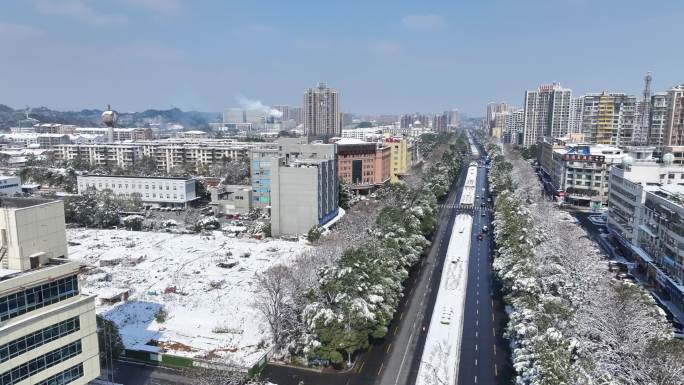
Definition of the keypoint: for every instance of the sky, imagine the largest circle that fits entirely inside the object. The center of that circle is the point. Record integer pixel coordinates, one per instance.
(383, 56)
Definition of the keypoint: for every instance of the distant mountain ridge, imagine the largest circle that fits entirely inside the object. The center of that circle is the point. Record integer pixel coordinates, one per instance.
(10, 117)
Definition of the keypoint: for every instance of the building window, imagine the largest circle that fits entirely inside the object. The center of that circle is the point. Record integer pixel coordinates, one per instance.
(65, 377)
(38, 338)
(40, 363)
(36, 297)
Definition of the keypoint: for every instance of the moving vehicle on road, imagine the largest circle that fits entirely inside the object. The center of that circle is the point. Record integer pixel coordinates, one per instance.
(479, 237)
(485, 229)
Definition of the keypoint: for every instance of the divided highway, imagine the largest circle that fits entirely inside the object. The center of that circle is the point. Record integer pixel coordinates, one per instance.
(484, 353)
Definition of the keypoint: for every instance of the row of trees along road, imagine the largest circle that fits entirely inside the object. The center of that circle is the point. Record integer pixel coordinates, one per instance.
(345, 291)
(571, 321)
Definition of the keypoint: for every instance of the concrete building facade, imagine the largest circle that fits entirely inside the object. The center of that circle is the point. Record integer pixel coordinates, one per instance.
(609, 118)
(47, 325)
(168, 155)
(674, 123)
(547, 113)
(321, 109)
(578, 173)
(155, 191)
(400, 158)
(265, 157)
(10, 185)
(364, 165)
(627, 192)
(231, 199)
(304, 194)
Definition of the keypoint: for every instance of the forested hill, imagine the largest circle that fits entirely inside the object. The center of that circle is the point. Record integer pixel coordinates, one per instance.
(10, 117)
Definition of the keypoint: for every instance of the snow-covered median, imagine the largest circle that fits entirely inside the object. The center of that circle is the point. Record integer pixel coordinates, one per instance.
(204, 283)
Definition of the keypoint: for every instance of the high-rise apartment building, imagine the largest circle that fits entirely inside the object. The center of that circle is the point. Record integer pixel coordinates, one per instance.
(609, 118)
(674, 123)
(453, 119)
(547, 112)
(297, 114)
(48, 332)
(513, 128)
(284, 110)
(440, 122)
(658, 120)
(321, 109)
(576, 110)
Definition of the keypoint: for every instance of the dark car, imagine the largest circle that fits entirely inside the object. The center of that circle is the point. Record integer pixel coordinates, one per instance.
(479, 237)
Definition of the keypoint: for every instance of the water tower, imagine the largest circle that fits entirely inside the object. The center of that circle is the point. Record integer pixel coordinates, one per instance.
(109, 119)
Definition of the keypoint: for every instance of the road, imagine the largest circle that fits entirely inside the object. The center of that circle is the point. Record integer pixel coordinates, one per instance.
(485, 356)
(403, 358)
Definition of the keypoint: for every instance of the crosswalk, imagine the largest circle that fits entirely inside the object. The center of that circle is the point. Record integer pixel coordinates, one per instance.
(465, 207)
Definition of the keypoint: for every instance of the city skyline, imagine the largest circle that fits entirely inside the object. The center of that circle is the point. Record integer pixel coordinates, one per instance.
(140, 54)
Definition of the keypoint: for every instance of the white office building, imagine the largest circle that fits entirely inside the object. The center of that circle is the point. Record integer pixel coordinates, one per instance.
(10, 185)
(47, 325)
(154, 191)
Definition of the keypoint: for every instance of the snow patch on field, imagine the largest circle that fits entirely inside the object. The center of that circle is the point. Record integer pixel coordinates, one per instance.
(205, 283)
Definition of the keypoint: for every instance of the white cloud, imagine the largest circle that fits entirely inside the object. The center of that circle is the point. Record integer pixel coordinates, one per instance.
(428, 21)
(18, 31)
(162, 6)
(78, 9)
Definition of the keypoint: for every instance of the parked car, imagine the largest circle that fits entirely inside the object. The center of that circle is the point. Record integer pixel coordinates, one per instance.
(479, 237)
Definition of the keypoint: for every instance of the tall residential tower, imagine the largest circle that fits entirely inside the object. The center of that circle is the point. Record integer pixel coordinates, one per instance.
(321, 111)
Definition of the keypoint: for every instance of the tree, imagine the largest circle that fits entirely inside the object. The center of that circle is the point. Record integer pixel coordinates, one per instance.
(274, 301)
(109, 340)
(345, 195)
(314, 234)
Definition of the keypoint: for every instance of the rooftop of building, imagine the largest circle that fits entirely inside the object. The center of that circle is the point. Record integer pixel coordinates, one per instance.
(671, 192)
(605, 150)
(21, 203)
(6, 274)
(136, 177)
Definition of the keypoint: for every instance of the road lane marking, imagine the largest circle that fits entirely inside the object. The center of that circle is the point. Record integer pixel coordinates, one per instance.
(475, 347)
(476, 379)
(476, 362)
(496, 370)
(361, 367)
(477, 301)
(395, 330)
(477, 323)
(401, 316)
(476, 334)
(347, 383)
(493, 332)
(388, 348)
(494, 349)
(492, 302)
(380, 370)
(477, 311)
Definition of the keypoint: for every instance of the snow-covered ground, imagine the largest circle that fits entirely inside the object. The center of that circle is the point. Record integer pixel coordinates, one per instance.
(210, 308)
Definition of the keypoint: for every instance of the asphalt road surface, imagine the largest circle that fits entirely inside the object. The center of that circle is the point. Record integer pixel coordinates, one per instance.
(485, 355)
